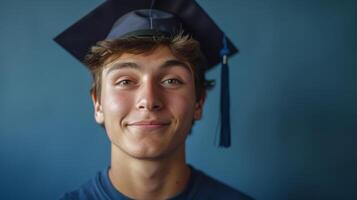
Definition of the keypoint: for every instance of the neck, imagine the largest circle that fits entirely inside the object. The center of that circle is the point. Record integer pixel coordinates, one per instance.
(160, 178)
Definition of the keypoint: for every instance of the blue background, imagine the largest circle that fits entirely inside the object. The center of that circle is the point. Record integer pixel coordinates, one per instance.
(293, 93)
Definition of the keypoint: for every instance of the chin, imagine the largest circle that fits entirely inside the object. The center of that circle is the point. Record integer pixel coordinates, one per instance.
(149, 152)
(142, 151)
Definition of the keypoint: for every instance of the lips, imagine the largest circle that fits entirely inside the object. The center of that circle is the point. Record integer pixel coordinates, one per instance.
(148, 124)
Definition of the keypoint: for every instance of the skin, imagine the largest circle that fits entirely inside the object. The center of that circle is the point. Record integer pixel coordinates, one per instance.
(147, 105)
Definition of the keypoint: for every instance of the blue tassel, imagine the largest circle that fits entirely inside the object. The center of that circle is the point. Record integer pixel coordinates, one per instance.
(225, 137)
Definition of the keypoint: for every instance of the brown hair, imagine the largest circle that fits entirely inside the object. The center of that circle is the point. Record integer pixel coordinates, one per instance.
(182, 46)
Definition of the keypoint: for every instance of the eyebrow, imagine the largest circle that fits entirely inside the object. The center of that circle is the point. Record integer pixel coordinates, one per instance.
(175, 63)
(122, 65)
(133, 65)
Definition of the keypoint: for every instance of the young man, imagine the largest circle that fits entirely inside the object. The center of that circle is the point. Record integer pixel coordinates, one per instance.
(148, 89)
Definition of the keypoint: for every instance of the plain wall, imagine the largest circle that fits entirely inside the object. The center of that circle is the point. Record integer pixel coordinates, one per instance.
(293, 95)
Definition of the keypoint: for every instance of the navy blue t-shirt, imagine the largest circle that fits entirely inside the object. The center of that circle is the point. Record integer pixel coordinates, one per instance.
(199, 187)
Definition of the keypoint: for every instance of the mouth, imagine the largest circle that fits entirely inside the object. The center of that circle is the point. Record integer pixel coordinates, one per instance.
(148, 125)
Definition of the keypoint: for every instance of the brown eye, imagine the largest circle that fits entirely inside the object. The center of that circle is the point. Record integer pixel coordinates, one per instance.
(124, 83)
(172, 82)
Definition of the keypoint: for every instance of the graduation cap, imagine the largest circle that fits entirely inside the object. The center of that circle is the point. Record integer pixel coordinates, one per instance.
(123, 18)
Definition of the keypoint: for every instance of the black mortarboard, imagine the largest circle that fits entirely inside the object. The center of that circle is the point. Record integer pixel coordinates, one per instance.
(120, 18)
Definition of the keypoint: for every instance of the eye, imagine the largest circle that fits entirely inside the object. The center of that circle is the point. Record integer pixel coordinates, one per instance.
(172, 82)
(124, 83)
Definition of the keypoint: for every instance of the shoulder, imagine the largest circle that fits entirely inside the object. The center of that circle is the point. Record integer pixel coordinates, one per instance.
(90, 190)
(85, 191)
(210, 188)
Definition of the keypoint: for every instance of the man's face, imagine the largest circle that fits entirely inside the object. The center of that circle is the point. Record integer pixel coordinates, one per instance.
(148, 103)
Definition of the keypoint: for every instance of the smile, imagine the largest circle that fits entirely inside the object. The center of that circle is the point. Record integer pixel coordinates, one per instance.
(148, 125)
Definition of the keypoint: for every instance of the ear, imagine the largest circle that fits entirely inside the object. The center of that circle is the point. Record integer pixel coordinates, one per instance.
(98, 110)
(199, 106)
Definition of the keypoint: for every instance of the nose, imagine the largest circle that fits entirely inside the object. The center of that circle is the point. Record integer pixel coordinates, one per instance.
(149, 97)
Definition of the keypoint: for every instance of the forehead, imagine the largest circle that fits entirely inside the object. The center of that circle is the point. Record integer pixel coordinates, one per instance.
(158, 58)
(159, 52)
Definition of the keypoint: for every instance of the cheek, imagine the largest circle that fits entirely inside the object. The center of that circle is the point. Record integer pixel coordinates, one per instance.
(117, 103)
(182, 106)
